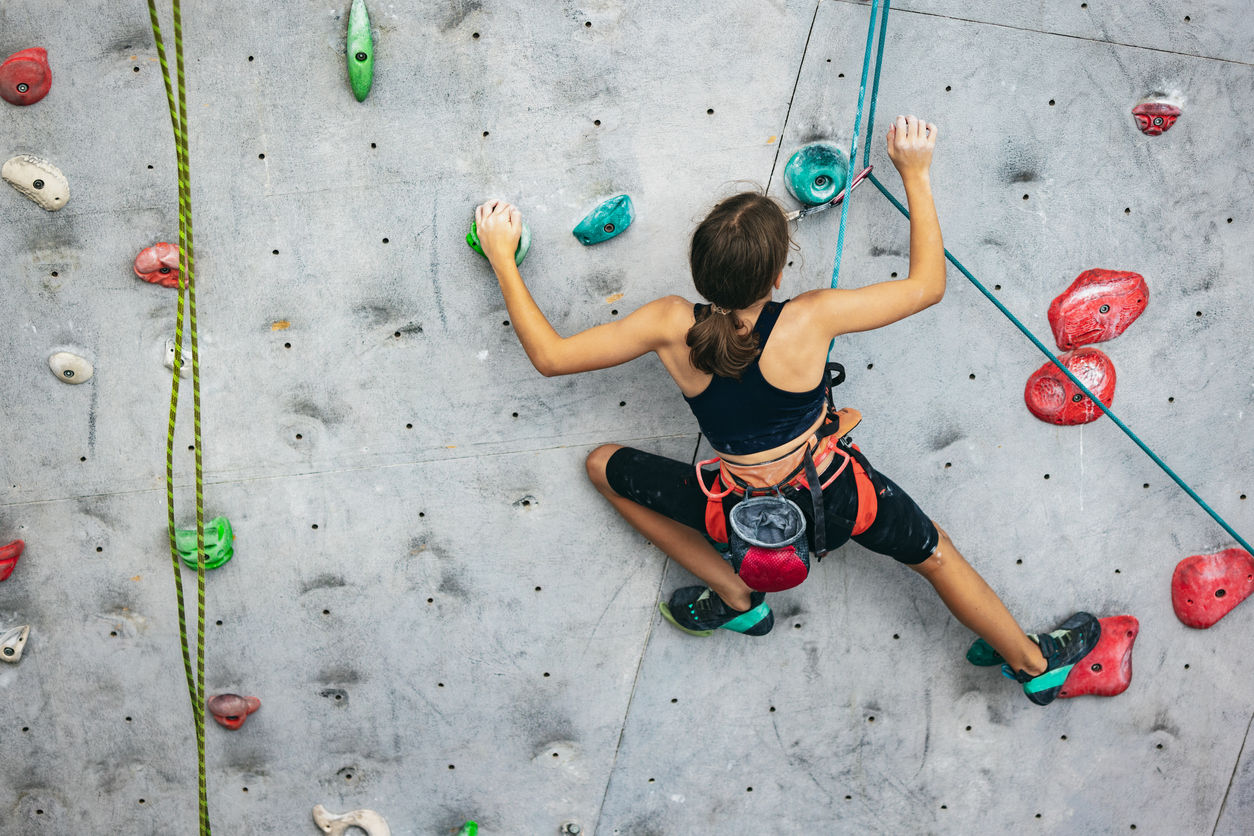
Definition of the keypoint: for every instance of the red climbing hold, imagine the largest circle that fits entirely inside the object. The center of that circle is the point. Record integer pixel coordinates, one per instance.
(25, 76)
(231, 710)
(1206, 587)
(8, 558)
(1098, 306)
(1155, 118)
(1052, 397)
(159, 264)
(1107, 670)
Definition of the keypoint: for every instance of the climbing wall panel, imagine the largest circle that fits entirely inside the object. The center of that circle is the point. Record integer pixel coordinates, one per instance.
(371, 388)
(862, 713)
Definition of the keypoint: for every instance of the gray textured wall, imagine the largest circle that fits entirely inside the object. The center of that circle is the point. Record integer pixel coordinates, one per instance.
(466, 599)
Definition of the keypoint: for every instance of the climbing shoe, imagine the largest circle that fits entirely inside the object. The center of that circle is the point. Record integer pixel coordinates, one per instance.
(1074, 639)
(698, 611)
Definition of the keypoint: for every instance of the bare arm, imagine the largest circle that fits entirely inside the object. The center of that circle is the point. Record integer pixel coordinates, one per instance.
(910, 144)
(644, 330)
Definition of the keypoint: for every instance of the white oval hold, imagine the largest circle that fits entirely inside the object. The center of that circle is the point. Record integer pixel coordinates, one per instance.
(70, 368)
(39, 180)
(335, 825)
(11, 643)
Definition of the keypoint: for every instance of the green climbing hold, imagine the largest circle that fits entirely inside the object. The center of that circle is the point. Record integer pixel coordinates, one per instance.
(524, 242)
(816, 173)
(360, 50)
(218, 543)
(606, 221)
(983, 655)
(468, 829)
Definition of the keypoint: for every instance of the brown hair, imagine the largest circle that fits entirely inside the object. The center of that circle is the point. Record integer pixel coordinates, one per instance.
(736, 253)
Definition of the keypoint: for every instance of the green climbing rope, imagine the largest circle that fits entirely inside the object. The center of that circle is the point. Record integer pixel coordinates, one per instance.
(875, 90)
(186, 296)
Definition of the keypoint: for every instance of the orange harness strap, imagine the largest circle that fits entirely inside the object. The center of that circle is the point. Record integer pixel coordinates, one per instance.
(868, 502)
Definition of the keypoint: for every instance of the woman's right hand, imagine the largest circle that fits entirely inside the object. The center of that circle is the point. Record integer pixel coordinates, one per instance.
(910, 144)
(499, 226)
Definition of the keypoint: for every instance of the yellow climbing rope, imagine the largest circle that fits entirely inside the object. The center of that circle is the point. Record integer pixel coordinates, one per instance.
(187, 295)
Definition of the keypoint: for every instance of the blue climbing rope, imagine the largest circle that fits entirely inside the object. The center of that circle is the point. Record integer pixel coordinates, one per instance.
(875, 90)
(857, 127)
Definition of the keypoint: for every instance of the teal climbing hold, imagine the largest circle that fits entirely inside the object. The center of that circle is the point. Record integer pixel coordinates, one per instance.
(815, 173)
(469, 829)
(218, 543)
(360, 50)
(524, 242)
(606, 221)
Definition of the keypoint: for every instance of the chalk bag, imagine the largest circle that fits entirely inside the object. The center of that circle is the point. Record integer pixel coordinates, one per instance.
(767, 543)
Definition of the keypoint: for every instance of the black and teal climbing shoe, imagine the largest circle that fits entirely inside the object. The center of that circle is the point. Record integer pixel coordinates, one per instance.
(1074, 639)
(698, 611)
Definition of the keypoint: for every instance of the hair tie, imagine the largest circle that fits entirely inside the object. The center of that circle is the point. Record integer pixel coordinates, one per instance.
(719, 310)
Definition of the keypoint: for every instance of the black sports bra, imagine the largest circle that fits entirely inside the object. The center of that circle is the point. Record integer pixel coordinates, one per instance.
(750, 415)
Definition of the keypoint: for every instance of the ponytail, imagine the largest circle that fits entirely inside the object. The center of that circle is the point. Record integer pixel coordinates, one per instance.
(718, 347)
(736, 253)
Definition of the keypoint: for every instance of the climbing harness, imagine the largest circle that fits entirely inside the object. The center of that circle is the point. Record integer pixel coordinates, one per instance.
(764, 534)
(840, 242)
(187, 291)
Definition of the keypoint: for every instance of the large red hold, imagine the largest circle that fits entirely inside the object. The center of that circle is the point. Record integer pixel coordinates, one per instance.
(25, 76)
(1206, 587)
(1107, 670)
(8, 558)
(231, 710)
(159, 264)
(1052, 397)
(1099, 306)
(1155, 118)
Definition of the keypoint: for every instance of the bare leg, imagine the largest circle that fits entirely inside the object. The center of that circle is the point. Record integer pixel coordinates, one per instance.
(686, 546)
(973, 602)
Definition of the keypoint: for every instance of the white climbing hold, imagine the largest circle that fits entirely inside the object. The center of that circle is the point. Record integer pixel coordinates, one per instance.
(70, 368)
(39, 180)
(11, 643)
(367, 820)
(186, 369)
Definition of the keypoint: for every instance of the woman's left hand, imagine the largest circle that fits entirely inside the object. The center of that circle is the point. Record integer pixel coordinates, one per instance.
(499, 226)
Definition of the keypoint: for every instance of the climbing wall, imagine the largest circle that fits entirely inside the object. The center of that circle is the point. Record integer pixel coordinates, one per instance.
(441, 617)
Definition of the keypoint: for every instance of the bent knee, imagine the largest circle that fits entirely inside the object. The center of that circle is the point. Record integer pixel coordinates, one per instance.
(596, 463)
(944, 555)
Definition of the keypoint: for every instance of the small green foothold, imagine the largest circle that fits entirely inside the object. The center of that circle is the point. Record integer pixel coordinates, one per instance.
(218, 543)
(606, 221)
(983, 654)
(469, 829)
(524, 242)
(360, 50)
(816, 173)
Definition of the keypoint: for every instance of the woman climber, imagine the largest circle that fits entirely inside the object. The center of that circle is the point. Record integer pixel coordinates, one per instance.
(754, 373)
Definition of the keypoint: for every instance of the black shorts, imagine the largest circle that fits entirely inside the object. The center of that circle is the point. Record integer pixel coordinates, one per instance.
(901, 530)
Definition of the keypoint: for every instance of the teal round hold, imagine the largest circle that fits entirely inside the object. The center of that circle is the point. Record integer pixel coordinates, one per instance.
(816, 173)
(607, 220)
(524, 242)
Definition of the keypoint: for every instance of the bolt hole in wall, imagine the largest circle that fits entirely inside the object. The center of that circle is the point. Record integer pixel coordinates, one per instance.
(710, 111)
(261, 156)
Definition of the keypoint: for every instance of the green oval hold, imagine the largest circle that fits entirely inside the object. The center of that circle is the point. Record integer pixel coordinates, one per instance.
(816, 173)
(606, 221)
(218, 543)
(524, 242)
(360, 50)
